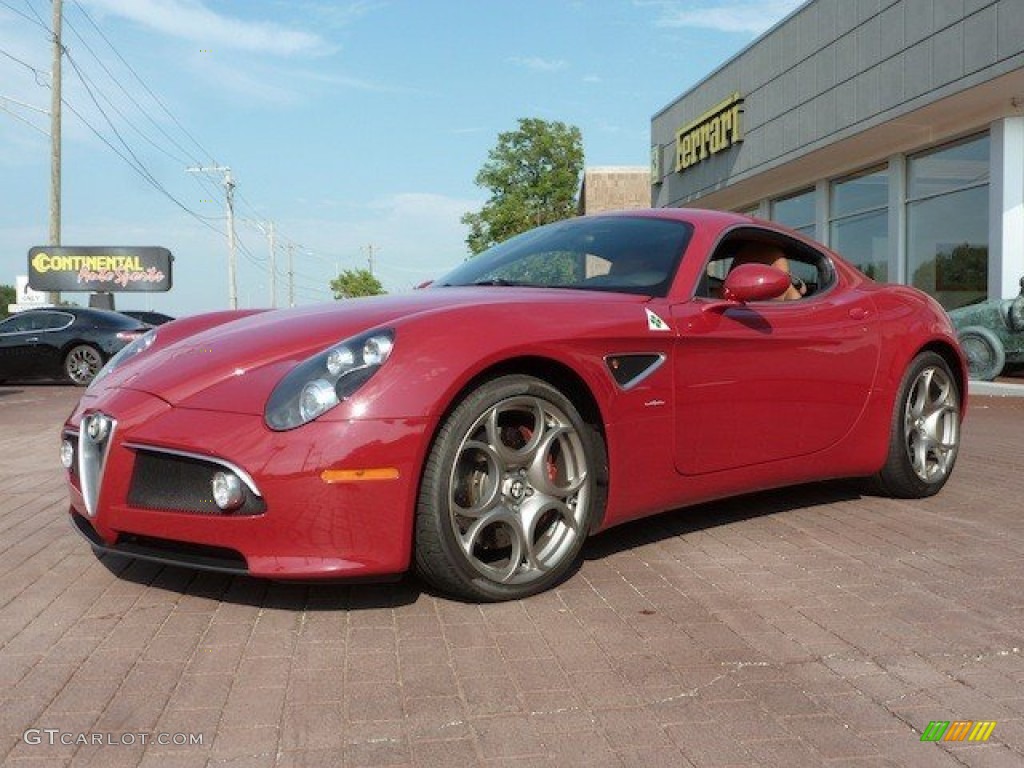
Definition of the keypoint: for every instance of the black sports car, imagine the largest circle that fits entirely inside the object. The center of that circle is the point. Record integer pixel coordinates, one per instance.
(147, 316)
(63, 342)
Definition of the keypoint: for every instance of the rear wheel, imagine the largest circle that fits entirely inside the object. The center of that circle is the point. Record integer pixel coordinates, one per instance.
(508, 493)
(925, 434)
(82, 363)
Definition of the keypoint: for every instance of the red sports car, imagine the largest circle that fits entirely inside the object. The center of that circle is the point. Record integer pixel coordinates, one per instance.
(577, 376)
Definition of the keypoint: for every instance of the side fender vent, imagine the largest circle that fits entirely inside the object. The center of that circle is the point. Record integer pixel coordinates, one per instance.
(630, 370)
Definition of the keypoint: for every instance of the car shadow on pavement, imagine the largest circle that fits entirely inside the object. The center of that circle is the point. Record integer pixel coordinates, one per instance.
(700, 517)
(264, 593)
(355, 596)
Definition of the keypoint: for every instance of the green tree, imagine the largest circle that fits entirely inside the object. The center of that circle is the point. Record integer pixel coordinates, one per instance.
(351, 283)
(8, 295)
(533, 174)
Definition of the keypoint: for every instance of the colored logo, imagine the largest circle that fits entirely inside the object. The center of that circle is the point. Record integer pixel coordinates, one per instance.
(958, 730)
(655, 323)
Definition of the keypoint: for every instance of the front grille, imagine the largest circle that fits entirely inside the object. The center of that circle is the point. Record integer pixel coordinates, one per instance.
(94, 439)
(178, 483)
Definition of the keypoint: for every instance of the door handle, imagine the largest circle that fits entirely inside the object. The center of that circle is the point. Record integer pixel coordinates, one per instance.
(859, 313)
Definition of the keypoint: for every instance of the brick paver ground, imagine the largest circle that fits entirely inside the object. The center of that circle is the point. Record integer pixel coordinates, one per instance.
(810, 627)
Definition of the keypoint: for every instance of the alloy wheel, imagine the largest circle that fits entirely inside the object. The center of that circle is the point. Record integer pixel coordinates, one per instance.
(932, 424)
(518, 492)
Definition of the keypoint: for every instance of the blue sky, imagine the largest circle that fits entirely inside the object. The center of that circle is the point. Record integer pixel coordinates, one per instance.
(346, 123)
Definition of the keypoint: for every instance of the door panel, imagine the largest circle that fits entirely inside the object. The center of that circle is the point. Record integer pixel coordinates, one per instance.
(770, 380)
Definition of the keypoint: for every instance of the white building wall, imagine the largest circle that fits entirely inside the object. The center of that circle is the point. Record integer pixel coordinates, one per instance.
(1006, 208)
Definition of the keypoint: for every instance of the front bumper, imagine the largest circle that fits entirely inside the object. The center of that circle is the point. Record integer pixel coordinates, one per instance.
(142, 491)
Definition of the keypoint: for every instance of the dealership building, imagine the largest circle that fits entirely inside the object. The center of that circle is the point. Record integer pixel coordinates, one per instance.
(892, 131)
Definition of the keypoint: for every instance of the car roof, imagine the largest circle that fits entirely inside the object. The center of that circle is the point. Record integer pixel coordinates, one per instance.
(103, 316)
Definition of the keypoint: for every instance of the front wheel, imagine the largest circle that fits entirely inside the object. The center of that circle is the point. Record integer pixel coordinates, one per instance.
(925, 433)
(509, 492)
(82, 363)
(984, 352)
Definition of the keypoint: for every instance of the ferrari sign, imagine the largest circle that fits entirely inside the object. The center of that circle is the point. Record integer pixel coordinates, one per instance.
(98, 268)
(717, 129)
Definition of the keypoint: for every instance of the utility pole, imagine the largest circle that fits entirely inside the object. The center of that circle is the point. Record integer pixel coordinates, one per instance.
(229, 194)
(291, 276)
(273, 269)
(55, 103)
(267, 228)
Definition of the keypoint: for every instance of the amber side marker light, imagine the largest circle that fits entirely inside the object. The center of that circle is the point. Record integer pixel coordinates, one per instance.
(358, 475)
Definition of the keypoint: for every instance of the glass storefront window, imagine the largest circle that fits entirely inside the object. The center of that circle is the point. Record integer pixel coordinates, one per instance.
(859, 227)
(948, 251)
(863, 240)
(947, 222)
(948, 169)
(796, 212)
(856, 194)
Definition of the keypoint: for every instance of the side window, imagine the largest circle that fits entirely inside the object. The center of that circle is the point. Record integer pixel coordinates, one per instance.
(17, 324)
(54, 321)
(811, 271)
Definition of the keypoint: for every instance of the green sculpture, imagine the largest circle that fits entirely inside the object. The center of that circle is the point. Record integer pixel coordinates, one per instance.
(991, 334)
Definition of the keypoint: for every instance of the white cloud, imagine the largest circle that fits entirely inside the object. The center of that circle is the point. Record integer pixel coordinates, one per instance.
(273, 83)
(744, 16)
(426, 206)
(193, 20)
(539, 64)
(331, 13)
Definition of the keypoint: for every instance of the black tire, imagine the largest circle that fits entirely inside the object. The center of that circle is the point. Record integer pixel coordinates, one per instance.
(81, 364)
(925, 431)
(984, 352)
(504, 508)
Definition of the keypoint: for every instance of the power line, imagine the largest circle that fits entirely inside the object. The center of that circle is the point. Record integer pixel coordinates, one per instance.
(35, 13)
(26, 106)
(18, 117)
(116, 134)
(24, 15)
(135, 163)
(177, 158)
(88, 89)
(36, 72)
(204, 220)
(141, 82)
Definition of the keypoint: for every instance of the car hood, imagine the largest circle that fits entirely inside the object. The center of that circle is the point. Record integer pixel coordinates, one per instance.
(234, 366)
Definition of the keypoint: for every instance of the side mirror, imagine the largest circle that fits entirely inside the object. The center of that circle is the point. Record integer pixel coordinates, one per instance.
(755, 282)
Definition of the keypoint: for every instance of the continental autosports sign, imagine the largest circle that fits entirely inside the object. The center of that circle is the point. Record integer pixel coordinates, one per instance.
(99, 268)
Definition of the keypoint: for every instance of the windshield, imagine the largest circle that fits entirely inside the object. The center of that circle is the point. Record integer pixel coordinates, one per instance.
(629, 255)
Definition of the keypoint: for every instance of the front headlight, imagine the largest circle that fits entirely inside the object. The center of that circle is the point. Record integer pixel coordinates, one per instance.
(324, 380)
(136, 348)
